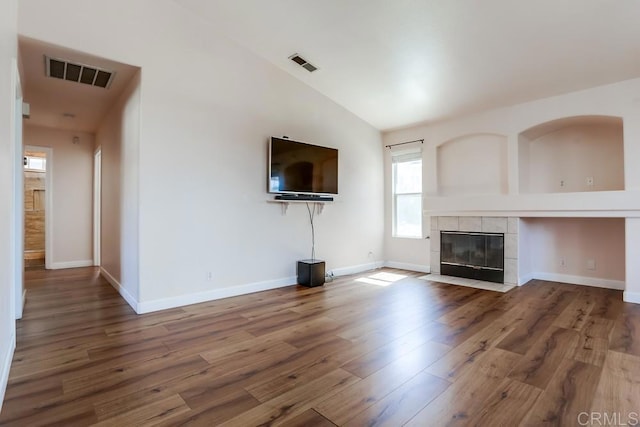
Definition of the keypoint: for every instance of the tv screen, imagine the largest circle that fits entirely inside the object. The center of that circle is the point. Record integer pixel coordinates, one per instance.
(297, 167)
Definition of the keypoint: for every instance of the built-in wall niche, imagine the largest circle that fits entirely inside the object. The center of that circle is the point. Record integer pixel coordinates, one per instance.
(574, 154)
(583, 251)
(472, 164)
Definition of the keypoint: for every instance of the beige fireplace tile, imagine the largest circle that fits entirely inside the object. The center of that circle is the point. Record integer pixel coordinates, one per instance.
(434, 223)
(435, 242)
(511, 246)
(512, 225)
(459, 281)
(511, 271)
(435, 262)
(448, 223)
(494, 224)
(470, 223)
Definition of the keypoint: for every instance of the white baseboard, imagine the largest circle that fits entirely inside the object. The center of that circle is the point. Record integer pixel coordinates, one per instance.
(632, 297)
(121, 290)
(249, 288)
(355, 269)
(406, 266)
(580, 280)
(24, 301)
(6, 366)
(525, 278)
(70, 264)
(214, 294)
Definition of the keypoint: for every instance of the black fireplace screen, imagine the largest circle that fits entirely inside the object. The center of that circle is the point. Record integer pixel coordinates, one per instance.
(483, 250)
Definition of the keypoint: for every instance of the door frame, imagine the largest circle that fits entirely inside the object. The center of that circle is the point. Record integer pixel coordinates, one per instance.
(97, 205)
(17, 216)
(48, 202)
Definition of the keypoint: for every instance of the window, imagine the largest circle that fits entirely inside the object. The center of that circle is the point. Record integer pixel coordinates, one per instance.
(35, 163)
(407, 194)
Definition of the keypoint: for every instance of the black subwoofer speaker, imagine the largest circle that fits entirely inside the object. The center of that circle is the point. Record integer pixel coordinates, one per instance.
(311, 272)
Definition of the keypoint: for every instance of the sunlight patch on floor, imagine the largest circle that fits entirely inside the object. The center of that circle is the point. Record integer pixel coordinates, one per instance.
(382, 279)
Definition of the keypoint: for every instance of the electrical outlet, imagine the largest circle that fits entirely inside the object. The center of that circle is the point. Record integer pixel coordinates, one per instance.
(210, 275)
(590, 181)
(591, 264)
(370, 254)
(562, 183)
(563, 262)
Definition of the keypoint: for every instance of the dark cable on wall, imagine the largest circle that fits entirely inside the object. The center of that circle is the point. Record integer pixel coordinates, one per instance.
(313, 231)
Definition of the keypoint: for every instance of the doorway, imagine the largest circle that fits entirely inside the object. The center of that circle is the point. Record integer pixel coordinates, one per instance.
(35, 191)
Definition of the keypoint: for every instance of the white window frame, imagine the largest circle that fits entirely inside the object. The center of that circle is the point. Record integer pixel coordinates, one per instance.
(402, 157)
(29, 167)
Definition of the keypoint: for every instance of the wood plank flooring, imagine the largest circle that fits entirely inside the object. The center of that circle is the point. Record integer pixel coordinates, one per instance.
(378, 349)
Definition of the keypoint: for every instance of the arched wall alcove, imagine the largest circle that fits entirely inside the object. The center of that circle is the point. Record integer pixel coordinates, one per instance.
(472, 164)
(573, 154)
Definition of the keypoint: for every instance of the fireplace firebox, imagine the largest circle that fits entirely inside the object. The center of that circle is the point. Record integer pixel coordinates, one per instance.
(472, 255)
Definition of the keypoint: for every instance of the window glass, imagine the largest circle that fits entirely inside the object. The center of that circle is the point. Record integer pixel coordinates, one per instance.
(407, 195)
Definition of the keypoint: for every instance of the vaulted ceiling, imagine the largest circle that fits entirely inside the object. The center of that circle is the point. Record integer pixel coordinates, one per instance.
(398, 62)
(392, 62)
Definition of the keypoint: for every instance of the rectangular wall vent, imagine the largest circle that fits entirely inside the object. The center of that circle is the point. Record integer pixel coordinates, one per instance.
(80, 73)
(303, 63)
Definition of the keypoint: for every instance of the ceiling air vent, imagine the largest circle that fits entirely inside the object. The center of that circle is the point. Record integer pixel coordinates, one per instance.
(80, 73)
(303, 63)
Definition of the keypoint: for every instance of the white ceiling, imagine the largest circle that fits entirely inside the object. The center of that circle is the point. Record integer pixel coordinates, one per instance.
(50, 98)
(399, 62)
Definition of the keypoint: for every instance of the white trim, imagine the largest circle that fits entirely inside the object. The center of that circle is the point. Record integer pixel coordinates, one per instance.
(354, 269)
(632, 297)
(232, 291)
(214, 294)
(48, 215)
(97, 200)
(121, 290)
(16, 217)
(525, 278)
(70, 264)
(581, 280)
(6, 366)
(407, 266)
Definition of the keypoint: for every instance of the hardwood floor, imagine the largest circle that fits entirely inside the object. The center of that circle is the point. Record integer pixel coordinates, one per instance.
(382, 348)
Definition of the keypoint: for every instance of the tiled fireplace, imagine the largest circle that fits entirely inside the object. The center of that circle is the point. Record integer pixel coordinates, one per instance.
(476, 225)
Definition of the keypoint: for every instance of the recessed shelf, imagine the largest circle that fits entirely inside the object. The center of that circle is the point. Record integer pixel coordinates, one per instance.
(571, 155)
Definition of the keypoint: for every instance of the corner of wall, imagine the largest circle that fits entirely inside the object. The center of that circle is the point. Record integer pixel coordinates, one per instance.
(407, 266)
(632, 297)
(121, 290)
(5, 368)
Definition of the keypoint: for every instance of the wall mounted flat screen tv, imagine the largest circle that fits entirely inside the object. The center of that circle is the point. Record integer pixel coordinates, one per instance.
(301, 168)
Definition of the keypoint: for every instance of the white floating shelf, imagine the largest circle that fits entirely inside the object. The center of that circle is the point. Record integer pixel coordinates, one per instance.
(285, 204)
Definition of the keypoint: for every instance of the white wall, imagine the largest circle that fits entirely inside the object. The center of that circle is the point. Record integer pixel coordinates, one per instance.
(119, 138)
(8, 56)
(72, 194)
(472, 164)
(202, 153)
